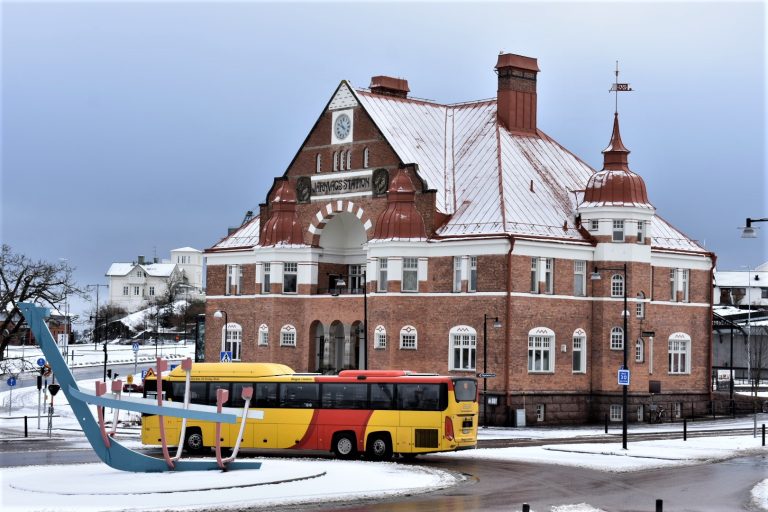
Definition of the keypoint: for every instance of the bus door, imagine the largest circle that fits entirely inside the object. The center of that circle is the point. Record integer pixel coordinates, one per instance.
(420, 417)
(298, 401)
(265, 430)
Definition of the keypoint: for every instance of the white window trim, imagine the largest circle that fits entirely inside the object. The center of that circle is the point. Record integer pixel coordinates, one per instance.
(616, 412)
(291, 272)
(580, 274)
(380, 337)
(234, 335)
(457, 334)
(410, 270)
(409, 330)
(457, 273)
(547, 335)
(580, 335)
(540, 412)
(618, 226)
(677, 338)
(617, 285)
(287, 330)
(639, 350)
(617, 345)
(263, 335)
(472, 270)
(382, 270)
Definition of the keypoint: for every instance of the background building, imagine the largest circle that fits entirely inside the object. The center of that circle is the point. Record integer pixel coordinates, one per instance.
(136, 284)
(461, 238)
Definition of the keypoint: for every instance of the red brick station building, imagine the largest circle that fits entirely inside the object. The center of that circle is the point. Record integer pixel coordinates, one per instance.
(460, 239)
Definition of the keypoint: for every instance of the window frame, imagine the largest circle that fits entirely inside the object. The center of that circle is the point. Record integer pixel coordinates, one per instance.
(288, 336)
(231, 337)
(639, 350)
(383, 279)
(462, 345)
(615, 342)
(234, 280)
(541, 410)
(379, 338)
(263, 340)
(457, 274)
(640, 306)
(266, 278)
(545, 338)
(290, 268)
(679, 354)
(472, 281)
(640, 232)
(411, 269)
(406, 333)
(616, 412)
(579, 338)
(580, 278)
(617, 285)
(618, 229)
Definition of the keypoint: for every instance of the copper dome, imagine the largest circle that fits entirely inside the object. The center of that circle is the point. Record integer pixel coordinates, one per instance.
(283, 224)
(401, 219)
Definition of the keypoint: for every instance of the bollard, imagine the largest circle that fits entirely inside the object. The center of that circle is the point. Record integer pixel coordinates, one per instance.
(685, 430)
(526, 507)
(763, 434)
(659, 505)
(26, 433)
(606, 423)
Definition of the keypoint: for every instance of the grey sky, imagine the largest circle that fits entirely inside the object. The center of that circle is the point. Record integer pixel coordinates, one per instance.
(136, 128)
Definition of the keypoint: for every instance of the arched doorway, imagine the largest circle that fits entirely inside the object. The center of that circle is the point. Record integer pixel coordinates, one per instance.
(317, 337)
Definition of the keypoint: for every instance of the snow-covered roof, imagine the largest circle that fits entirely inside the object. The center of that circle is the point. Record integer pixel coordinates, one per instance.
(186, 249)
(245, 236)
(152, 269)
(120, 269)
(741, 279)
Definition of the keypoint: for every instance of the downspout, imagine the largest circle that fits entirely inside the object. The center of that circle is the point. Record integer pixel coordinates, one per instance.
(507, 320)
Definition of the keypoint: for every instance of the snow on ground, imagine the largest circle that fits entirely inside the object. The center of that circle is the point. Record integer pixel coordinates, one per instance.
(98, 487)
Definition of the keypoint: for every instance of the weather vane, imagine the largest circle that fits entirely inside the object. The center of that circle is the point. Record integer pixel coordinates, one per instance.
(618, 87)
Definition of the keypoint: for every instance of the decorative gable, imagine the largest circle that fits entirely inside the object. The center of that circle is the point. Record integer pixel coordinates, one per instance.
(344, 98)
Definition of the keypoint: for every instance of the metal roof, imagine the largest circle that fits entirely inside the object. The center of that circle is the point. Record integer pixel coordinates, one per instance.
(245, 236)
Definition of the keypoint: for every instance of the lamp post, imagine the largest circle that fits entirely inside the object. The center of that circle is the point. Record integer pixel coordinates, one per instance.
(625, 388)
(496, 325)
(221, 313)
(96, 316)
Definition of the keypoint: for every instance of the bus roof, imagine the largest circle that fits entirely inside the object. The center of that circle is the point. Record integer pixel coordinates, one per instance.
(239, 370)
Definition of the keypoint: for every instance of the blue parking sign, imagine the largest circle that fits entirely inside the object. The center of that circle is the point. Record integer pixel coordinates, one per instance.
(226, 357)
(41, 362)
(623, 377)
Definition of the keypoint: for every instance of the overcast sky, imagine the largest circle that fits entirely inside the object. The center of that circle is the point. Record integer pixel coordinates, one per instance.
(136, 128)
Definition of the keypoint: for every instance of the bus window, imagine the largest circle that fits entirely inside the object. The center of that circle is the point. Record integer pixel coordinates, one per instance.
(236, 400)
(196, 392)
(382, 396)
(418, 397)
(264, 394)
(299, 394)
(345, 396)
(466, 390)
(212, 392)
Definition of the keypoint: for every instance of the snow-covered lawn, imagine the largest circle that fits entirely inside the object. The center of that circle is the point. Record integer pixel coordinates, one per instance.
(282, 481)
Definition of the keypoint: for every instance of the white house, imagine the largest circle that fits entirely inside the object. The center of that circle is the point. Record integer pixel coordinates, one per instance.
(742, 287)
(137, 284)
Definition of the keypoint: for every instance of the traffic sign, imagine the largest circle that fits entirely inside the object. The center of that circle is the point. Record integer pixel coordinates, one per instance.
(11, 381)
(485, 375)
(172, 366)
(648, 334)
(135, 346)
(623, 377)
(130, 379)
(41, 362)
(226, 356)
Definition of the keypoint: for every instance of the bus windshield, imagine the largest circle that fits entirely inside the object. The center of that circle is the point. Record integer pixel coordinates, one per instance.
(466, 390)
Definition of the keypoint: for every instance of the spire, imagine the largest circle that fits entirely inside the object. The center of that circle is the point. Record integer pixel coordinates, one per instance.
(615, 156)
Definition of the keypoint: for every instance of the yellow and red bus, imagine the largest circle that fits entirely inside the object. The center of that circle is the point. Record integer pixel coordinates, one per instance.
(371, 412)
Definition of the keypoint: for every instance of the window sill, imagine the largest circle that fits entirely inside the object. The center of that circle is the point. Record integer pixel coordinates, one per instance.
(541, 372)
(408, 348)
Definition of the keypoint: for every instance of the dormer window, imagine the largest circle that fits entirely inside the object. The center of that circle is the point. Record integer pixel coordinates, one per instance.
(618, 230)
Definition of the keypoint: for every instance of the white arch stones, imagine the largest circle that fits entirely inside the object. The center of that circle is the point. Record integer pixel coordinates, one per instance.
(329, 210)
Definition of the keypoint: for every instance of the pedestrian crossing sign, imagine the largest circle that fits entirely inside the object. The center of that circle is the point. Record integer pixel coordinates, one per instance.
(226, 356)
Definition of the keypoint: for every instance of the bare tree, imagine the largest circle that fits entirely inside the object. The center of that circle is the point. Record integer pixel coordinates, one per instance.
(25, 280)
(758, 354)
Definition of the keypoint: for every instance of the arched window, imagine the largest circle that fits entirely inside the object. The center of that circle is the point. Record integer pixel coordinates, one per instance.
(579, 351)
(263, 335)
(639, 350)
(232, 339)
(409, 338)
(288, 336)
(365, 158)
(617, 285)
(462, 352)
(617, 338)
(342, 160)
(349, 159)
(541, 350)
(680, 353)
(640, 305)
(335, 160)
(380, 337)
(318, 163)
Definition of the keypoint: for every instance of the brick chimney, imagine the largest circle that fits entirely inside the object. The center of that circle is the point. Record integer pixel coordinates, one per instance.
(388, 86)
(516, 97)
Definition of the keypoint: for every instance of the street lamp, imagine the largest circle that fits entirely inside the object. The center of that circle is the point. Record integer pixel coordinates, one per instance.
(595, 277)
(221, 313)
(496, 325)
(748, 231)
(96, 316)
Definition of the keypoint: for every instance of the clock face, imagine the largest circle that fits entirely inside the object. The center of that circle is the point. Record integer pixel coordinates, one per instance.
(342, 126)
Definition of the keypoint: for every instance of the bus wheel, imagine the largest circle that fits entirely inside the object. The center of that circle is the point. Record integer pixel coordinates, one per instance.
(344, 445)
(194, 441)
(379, 447)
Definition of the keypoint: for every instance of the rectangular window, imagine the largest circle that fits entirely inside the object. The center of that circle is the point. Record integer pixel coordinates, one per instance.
(594, 225)
(640, 309)
(266, 278)
(549, 282)
(125, 290)
(264, 338)
(534, 275)
(472, 284)
(303, 395)
(673, 285)
(463, 351)
(616, 412)
(639, 350)
(356, 279)
(151, 290)
(234, 280)
(764, 293)
(618, 230)
(136, 290)
(640, 413)
(289, 277)
(383, 281)
(408, 341)
(540, 353)
(540, 412)
(579, 278)
(419, 397)
(344, 396)
(457, 274)
(678, 356)
(382, 396)
(640, 232)
(579, 354)
(617, 338)
(410, 275)
(677, 410)
(288, 339)
(685, 273)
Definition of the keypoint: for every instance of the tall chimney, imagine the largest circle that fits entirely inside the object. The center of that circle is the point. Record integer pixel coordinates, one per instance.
(388, 86)
(516, 97)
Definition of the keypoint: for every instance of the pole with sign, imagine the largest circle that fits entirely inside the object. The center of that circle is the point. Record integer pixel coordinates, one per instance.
(41, 364)
(135, 355)
(11, 382)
